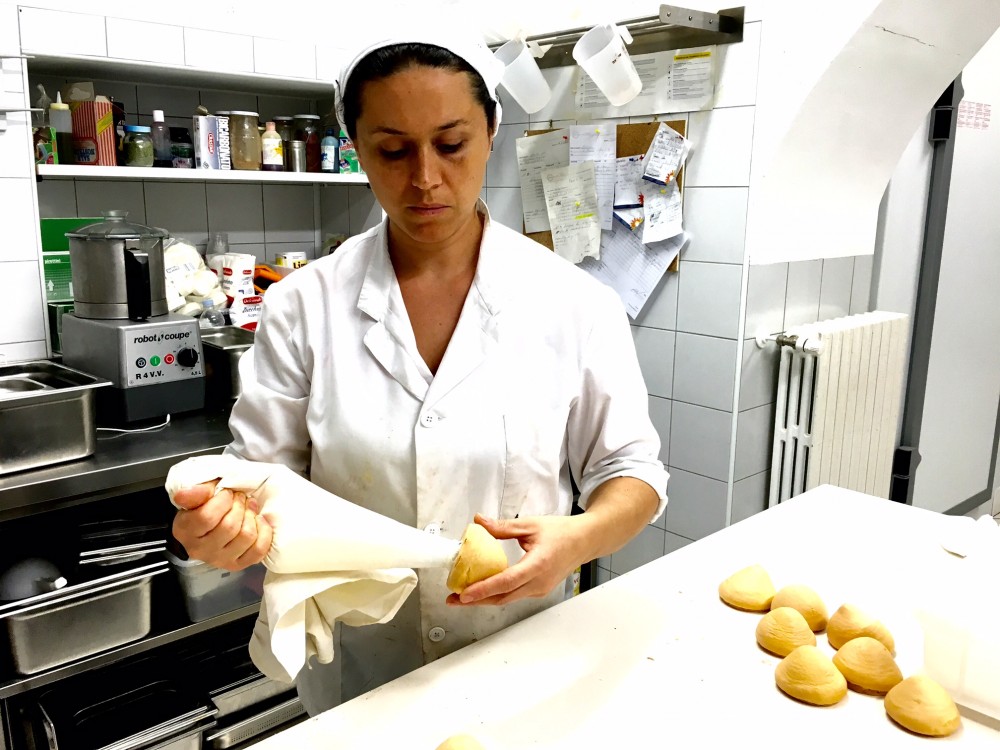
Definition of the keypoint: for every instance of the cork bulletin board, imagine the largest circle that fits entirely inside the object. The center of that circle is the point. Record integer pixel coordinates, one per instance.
(631, 139)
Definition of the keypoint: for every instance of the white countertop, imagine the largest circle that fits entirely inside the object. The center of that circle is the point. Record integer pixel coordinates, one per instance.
(654, 658)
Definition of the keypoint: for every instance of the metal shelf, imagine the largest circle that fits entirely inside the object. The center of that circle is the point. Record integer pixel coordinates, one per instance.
(69, 171)
(20, 685)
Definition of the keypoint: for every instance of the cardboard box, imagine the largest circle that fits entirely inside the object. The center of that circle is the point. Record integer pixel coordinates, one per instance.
(93, 133)
(53, 231)
(205, 134)
(58, 276)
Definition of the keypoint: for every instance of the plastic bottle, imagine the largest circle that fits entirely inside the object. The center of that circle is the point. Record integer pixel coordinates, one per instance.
(161, 141)
(62, 122)
(211, 316)
(272, 153)
(329, 152)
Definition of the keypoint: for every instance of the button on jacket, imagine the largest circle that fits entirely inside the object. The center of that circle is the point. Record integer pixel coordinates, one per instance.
(540, 379)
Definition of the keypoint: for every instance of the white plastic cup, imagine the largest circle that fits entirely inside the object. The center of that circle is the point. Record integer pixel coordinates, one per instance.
(521, 77)
(601, 52)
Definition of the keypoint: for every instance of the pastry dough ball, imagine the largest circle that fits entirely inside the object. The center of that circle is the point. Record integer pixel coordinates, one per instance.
(922, 706)
(479, 556)
(461, 742)
(808, 675)
(850, 622)
(806, 601)
(868, 666)
(783, 630)
(749, 589)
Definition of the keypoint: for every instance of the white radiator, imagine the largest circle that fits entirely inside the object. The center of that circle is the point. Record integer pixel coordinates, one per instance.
(838, 401)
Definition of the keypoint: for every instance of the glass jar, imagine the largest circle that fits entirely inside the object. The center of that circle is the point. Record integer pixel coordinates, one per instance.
(283, 124)
(181, 149)
(244, 140)
(307, 131)
(138, 146)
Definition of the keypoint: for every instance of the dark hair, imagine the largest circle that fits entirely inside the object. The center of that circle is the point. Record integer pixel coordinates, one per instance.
(386, 61)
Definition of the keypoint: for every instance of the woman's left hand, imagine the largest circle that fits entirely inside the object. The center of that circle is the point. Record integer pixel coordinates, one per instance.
(554, 547)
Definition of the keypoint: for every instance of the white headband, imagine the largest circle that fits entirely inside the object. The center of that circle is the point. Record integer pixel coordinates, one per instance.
(466, 44)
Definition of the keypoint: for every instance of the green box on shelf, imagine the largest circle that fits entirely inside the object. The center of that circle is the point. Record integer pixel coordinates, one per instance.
(54, 231)
(58, 276)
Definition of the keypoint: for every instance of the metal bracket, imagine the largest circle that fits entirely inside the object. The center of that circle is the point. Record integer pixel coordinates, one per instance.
(803, 344)
(4, 112)
(672, 28)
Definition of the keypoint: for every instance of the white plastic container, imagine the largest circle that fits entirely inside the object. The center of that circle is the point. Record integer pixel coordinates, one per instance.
(210, 591)
(601, 53)
(962, 653)
(521, 77)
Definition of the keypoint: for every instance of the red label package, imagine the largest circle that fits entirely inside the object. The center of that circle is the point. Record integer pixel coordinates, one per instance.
(93, 133)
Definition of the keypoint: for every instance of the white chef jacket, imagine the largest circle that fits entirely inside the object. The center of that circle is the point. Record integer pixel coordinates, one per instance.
(540, 378)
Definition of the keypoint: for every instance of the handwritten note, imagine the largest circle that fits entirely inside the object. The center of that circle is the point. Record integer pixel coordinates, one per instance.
(535, 154)
(661, 211)
(628, 181)
(665, 155)
(630, 268)
(630, 217)
(571, 200)
(596, 143)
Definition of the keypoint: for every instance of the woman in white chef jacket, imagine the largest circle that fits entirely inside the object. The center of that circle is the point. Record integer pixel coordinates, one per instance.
(440, 368)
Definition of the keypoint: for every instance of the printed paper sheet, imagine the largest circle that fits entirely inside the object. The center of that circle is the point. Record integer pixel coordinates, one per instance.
(665, 155)
(596, 143)
(628, 178)
(535, 154)
(571, 199)
(661, 212)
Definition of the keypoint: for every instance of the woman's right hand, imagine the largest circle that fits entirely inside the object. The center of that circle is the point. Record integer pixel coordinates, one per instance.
(221, 528)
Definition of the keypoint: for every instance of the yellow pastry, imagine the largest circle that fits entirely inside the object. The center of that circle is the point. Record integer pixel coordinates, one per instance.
(749, 589)
(806, 601)
(808, 675)
(783, 630)
(479, 556)
(922, 706)
(850, 622)
(868, 666)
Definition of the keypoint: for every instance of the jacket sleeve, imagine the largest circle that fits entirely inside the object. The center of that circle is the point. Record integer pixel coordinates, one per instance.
(609, 431)
(268, 421)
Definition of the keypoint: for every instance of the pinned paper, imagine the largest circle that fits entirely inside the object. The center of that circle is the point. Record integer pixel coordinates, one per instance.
(630, 217)
(571, 200)
(661, 210)
(630, 268)
(535, 154)
(628, 181)
(665, 155)
(596, 143)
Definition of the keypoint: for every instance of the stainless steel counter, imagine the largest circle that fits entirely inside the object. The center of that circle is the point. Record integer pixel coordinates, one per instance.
(122, 463)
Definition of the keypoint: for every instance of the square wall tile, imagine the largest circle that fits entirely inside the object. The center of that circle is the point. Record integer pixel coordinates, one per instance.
(237, 210)
(335, 210)
(56, 199)
(24, 316)
(274, 249)
(737, 65)
(227, 101)
(716, 219)
(766, 299)
(759, 376)
(705, 370)
(750, 496)
(125, 93)
(95, 196)
(16, 149)
(505, 206)
(655, 349)
(721, 140)
(696, 505)
(754, 441)
(365, 210)
(562, 104)
(644, 548)
(861, 288)
(709, 299)
(660, 310)
(22, 351)
(603, 575)
(180, 208)
(835, 290)
(699, 440)
(674, 542)
(805, 278)
(174, 101)
(501, 169)
(20, 227)
(288, 213)
(659, 415)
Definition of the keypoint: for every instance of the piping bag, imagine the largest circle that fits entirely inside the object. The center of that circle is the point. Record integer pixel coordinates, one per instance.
(330, 560)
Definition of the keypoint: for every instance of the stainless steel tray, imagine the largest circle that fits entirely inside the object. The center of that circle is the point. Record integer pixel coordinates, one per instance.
(236, 697)
(226, 737)
(47, 415)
